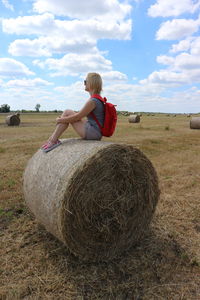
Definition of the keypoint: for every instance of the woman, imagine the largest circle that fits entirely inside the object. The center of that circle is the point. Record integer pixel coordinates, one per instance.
(86, 129)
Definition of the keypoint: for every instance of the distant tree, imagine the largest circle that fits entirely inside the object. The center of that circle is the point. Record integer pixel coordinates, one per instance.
(4, 108)
(37, 107)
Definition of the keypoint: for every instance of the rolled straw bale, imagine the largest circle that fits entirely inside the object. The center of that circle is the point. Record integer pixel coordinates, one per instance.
(134, 119)
(195, 123)
(97, 197)
(13, 120)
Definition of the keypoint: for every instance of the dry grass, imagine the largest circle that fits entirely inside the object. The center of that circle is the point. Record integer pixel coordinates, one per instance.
(166, 265)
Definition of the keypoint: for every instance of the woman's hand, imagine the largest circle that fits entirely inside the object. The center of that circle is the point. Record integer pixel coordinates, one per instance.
(60, 120)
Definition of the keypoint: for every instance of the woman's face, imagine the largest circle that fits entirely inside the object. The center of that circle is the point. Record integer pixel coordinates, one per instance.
(86, 83)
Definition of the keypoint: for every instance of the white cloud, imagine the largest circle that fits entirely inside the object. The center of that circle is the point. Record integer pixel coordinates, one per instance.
(23, 98)
(73, 95)
(37, 24)
(39, 63)
(8, 5)
(183, 45)
(185, 101)
(167, 8)
(135, 97)
(124, 95)
(26, 47)
(188, 62)
(12, 68)
(195, 47)
(98, 9)
(74, 65)
(76, 34)
(114, 76)
(182, 69)
(131, 97)
(28, 83)
(165, 60)
(166, 77)
(46, 46)
(46, 25)
(177, 29)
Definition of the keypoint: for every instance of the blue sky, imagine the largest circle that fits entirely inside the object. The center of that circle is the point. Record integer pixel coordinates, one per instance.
(148, 53)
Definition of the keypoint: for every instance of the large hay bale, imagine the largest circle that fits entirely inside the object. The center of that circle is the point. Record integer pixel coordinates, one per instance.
(195, 123)
(134, 119)
(97, 197)
(13, 120)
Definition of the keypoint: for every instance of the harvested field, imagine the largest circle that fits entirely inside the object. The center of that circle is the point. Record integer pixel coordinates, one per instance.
(165, 265)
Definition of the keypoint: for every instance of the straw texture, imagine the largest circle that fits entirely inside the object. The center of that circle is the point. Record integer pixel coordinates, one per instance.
(97, 197)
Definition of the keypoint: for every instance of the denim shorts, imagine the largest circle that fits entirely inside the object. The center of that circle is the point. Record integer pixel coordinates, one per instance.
(91, 133)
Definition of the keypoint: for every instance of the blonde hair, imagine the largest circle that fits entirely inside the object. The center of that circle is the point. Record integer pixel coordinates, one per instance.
(95, 82)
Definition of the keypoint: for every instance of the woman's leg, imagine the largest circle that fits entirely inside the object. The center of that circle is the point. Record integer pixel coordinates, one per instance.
(60, 128)
(78, 126)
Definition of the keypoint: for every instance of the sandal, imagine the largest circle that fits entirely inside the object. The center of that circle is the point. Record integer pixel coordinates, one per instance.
(50, 146)
(44, 145)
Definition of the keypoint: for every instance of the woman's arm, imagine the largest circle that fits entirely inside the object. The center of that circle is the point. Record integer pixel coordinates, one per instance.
(87, 108)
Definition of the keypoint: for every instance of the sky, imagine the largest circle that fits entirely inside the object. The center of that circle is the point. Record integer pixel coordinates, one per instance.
(147, 52)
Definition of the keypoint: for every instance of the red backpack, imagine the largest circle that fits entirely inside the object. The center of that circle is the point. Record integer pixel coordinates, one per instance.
(110, 118)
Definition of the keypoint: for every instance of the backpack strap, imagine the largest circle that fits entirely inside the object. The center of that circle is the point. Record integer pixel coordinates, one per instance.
(103, 100)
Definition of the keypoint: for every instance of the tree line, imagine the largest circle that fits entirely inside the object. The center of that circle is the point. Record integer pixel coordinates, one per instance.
(4, 108)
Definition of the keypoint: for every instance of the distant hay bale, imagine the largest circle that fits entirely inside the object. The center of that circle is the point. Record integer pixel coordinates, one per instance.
(134, 119)
(13, 120)
(195, 123)
(97, 197)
